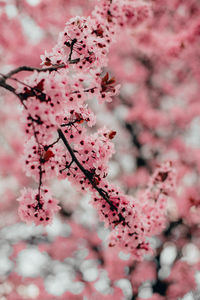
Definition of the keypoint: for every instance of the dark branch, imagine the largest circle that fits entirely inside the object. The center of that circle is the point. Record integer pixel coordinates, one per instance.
(31, 69)
(86, 172)
(12, 90)
(7, 87)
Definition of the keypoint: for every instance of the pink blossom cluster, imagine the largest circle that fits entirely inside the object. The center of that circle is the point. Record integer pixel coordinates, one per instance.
(145, 215)
(37, 206)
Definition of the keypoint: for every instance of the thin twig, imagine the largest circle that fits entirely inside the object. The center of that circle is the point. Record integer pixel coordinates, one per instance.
(31, 69)
(12, 90)
(84, 171)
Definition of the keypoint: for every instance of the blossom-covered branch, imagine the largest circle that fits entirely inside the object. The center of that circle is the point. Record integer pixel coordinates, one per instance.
(57, 97)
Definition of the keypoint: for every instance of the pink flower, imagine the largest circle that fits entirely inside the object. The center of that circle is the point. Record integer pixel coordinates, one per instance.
(37, 207)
